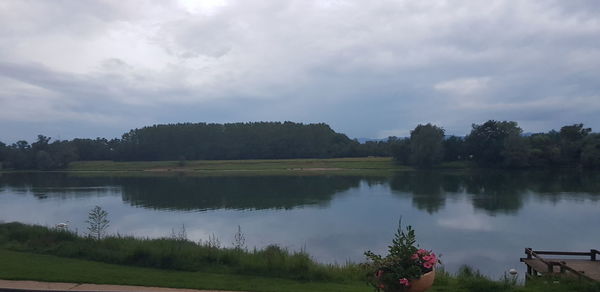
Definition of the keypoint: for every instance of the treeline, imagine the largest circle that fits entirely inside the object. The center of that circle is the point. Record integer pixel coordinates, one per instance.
(491, 144)
(500, 144)
(188, 141)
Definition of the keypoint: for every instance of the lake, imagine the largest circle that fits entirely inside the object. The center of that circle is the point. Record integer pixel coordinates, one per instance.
(484, 219)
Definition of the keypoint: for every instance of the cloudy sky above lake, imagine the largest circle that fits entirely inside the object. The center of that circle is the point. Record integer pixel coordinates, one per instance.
(367, 68)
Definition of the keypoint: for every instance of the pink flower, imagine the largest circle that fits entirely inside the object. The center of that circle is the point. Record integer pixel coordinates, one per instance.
(422, 251)
(427, 258)
(381, 286)
(405, 282)
(427, 265)
(415, 257)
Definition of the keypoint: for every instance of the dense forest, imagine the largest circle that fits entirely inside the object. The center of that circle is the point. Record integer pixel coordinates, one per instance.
(491, 144)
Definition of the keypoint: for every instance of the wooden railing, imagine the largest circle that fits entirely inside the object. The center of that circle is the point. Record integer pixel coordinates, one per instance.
(550, 264)
(592, 254)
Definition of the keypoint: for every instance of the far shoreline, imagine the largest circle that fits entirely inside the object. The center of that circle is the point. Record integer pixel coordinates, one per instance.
(360, 166)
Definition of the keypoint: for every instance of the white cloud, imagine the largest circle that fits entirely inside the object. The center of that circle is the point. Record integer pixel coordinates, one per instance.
(467, 221)
(464, 86)
(402, 62)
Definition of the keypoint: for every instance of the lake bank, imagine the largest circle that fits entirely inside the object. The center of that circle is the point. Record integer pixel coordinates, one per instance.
(372, 166)
(246, 167)
(53, 262)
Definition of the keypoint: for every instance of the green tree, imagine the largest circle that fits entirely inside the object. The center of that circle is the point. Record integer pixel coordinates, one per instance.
(426, 145)
(544, 149)
(487, 142)
(239, 239)
(400, 149)
(41, 144)
(20, 155)
(590, 154)
(97, 223)
(3, 154)
(454, 148)
(516, 152)
(63, 153)
(43, 160)
(571, 143)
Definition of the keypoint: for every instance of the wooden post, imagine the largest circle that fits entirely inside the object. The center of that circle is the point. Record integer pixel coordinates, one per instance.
(593, 254)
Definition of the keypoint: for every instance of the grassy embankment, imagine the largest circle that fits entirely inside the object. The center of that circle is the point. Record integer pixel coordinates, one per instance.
(273, 166)
(361, 165)
(39, 253)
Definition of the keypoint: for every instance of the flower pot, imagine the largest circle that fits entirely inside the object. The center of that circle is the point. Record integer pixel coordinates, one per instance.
(422, 284)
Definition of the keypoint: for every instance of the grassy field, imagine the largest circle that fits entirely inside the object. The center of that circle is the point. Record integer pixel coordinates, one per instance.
(29, 266)
(335, 166)
(176, 253)
(274, 165)
(313, 166)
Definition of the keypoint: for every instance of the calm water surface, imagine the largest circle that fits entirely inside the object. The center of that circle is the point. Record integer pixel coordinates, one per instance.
(482, 219)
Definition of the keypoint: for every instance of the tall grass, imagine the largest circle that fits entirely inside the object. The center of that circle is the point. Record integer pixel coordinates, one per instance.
(178, 253)
(175, 253)
(468, 279)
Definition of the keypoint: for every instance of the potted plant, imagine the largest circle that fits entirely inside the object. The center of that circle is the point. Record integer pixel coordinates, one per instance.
(405, 268)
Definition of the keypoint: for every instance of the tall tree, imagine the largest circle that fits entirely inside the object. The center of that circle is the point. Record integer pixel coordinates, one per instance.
(516, 152)
(487, 142)
(97, 223)
(400, 149)
(3, 155)
(544, 149)
(571, 139)
(426, 145)
(590, 154)
(454, 148)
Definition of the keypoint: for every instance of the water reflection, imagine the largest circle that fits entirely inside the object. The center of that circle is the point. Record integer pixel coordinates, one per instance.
(494, 191)
(194, 193)
(188, 192)
(480, 218)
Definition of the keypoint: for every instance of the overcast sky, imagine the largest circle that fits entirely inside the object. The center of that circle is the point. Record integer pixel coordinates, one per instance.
(87, 68)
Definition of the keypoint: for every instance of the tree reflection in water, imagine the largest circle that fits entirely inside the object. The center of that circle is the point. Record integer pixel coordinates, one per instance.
(493, 191)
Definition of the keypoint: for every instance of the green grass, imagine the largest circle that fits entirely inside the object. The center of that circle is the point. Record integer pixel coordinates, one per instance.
(230, 166)
(173, 254)
(335, 166)
(38, 253)
(469, 280)
(28, 266)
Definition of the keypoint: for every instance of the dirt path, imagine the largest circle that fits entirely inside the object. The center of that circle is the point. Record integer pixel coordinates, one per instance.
(9, 285)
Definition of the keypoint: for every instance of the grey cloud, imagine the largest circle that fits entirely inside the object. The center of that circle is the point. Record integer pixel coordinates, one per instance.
(367, 68)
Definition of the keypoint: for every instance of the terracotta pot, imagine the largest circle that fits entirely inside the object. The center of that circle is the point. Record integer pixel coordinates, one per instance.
(422, 284)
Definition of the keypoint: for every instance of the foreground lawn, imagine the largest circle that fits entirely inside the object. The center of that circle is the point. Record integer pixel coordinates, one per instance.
(28, 266)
